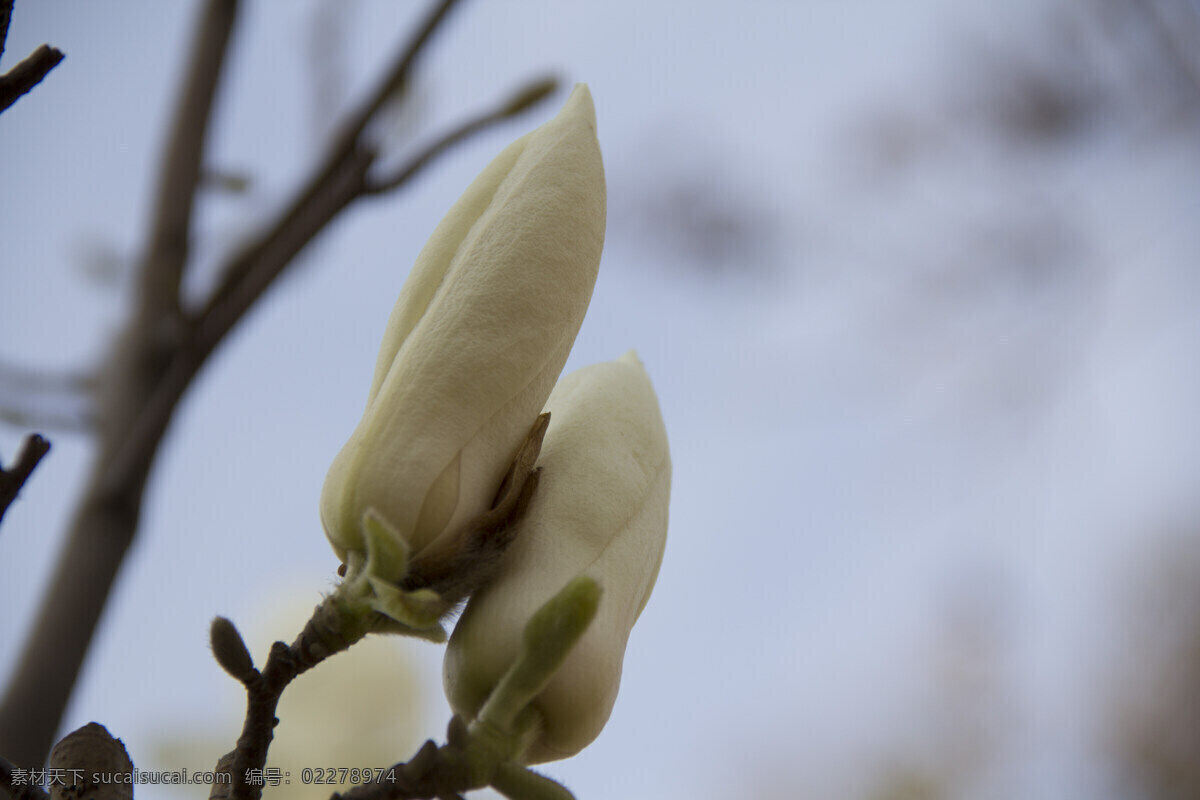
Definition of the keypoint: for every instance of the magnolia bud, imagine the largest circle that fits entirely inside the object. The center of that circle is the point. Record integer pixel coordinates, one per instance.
(600, 510)
(475, 342)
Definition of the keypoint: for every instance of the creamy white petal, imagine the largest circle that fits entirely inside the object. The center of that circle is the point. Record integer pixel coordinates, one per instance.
(600, 509)
(477, 338)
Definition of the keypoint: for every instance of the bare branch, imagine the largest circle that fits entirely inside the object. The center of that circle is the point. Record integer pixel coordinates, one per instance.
(326, 43)
(255, 268)
(160, 353)
(520, 101)
(327, 633)
(258, 266)
(106, 519)
(162, 267)
(344, 159)
(12, 479)
(6, 8)
(394, 79)
(28, 74)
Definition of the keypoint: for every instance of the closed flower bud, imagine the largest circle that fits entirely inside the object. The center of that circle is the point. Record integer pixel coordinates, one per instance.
(475, 343)
(600, 510)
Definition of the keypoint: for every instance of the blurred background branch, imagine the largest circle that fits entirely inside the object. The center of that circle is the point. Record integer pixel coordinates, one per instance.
(30, 72)
(165, 344)
(13, 478)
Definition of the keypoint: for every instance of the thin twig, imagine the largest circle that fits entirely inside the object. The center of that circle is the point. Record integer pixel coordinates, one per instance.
(12, 479)
(333, 629)
(28, 74)
(393, 80)
(521, 100)
(261, 265)
(151, 370)
(327, 633)
(347, 151)
(106, 518)
(167, 253)
(6, 9)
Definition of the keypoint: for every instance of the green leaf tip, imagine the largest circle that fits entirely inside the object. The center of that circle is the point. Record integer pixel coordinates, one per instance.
(553, 630)
(549, 636)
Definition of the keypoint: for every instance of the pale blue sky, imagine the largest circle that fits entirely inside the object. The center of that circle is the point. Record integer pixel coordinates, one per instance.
(934, 387)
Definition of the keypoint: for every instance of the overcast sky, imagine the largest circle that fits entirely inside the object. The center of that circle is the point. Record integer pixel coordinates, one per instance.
(916, 287)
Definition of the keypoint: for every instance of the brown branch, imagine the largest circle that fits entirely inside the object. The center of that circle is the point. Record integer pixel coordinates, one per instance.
(332, 630)
(28, 74)
(260, 266)
(151, 369)
(107, 516)
(327, 633)
(347, 151)
(393, 80)
(418, 779)
(421, 778)
(6, 7)
(162, 267)
(520, 101)
(12, 479)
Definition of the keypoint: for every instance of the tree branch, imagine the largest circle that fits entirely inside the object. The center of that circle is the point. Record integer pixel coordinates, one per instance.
(167, 254)
(28, 74)
(521, 100)
(328, 632)
(12, 479)
(106, 519)
(347, 152)
(6, 8)
(152, 366)
(393, 80)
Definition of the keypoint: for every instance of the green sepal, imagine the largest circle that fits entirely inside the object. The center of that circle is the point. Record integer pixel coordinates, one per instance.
(371, 582)
(549, 636)
(419, 611)
(387, 552)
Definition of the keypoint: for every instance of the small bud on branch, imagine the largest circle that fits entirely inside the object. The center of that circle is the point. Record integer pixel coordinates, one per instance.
(230, 650)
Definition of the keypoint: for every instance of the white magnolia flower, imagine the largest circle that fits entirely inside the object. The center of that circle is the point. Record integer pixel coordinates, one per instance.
(475, 342)
(600, 510)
